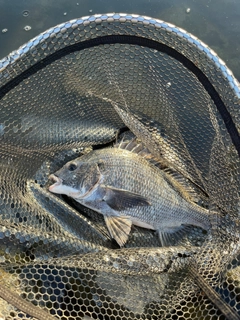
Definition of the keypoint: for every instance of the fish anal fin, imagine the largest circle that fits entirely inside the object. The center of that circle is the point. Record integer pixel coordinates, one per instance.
(119, 228)
(169, 236)
(120, 199)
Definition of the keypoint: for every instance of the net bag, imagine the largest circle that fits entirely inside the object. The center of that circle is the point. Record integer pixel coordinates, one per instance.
(77, 87)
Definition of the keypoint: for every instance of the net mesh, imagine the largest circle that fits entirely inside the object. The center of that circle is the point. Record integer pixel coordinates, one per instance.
(76, 87)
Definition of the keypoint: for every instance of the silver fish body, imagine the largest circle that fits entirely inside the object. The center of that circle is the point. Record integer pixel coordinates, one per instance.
(126, 189)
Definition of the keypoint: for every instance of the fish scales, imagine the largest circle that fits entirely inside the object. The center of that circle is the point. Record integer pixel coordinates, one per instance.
(126, 189)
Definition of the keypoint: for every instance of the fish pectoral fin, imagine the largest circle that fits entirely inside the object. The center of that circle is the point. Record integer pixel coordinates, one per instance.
(119, 228)
(120, 199)
(169, 236)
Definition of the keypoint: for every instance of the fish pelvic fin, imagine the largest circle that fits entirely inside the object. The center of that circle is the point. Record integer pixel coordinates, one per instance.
(120, 199)
(119, 228)
(170, 236)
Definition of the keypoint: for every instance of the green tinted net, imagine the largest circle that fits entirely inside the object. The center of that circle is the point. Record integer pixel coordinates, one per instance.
(78, 86)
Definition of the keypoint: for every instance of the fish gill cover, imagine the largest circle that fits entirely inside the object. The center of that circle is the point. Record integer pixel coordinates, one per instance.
(75, 88)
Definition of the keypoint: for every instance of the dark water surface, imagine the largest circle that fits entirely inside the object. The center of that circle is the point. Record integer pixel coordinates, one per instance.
(216, 22)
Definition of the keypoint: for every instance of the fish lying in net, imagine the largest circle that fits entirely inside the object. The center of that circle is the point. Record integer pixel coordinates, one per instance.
(127, 189)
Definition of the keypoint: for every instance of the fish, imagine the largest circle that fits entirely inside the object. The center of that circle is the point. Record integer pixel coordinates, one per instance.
(129, 190)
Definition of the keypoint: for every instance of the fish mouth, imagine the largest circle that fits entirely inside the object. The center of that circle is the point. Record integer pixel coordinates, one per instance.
(58, 181)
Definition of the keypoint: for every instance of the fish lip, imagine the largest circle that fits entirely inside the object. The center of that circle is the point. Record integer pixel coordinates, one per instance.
(58, 181)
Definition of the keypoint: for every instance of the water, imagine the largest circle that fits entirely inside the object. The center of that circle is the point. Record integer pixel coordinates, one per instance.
(216, 22)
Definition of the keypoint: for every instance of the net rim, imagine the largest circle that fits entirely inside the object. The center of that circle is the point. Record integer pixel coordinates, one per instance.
(21, 63)
(123, 18)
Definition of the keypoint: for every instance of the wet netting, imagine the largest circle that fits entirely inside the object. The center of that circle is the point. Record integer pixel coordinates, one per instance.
(83, 85)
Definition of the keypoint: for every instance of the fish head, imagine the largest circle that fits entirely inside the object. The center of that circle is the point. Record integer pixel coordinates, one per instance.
(75, 179)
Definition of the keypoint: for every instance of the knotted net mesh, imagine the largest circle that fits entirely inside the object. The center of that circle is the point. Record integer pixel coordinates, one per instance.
(79, 86)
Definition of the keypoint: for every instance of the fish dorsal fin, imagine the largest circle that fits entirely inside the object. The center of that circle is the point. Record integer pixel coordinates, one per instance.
(120, 199)
(187, 189)
(119, 228)
(132, 143)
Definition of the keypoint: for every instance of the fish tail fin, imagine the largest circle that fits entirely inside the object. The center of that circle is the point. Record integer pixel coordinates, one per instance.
(170, 236)
(220, 221)
(215, 220)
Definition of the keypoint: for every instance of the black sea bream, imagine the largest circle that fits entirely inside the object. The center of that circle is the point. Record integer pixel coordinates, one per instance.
(127, 189)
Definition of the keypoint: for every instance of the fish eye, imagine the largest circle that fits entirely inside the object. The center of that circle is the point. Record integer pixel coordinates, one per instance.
(72, 167)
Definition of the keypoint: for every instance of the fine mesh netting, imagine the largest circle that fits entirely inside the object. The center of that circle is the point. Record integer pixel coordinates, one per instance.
(78, 87)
